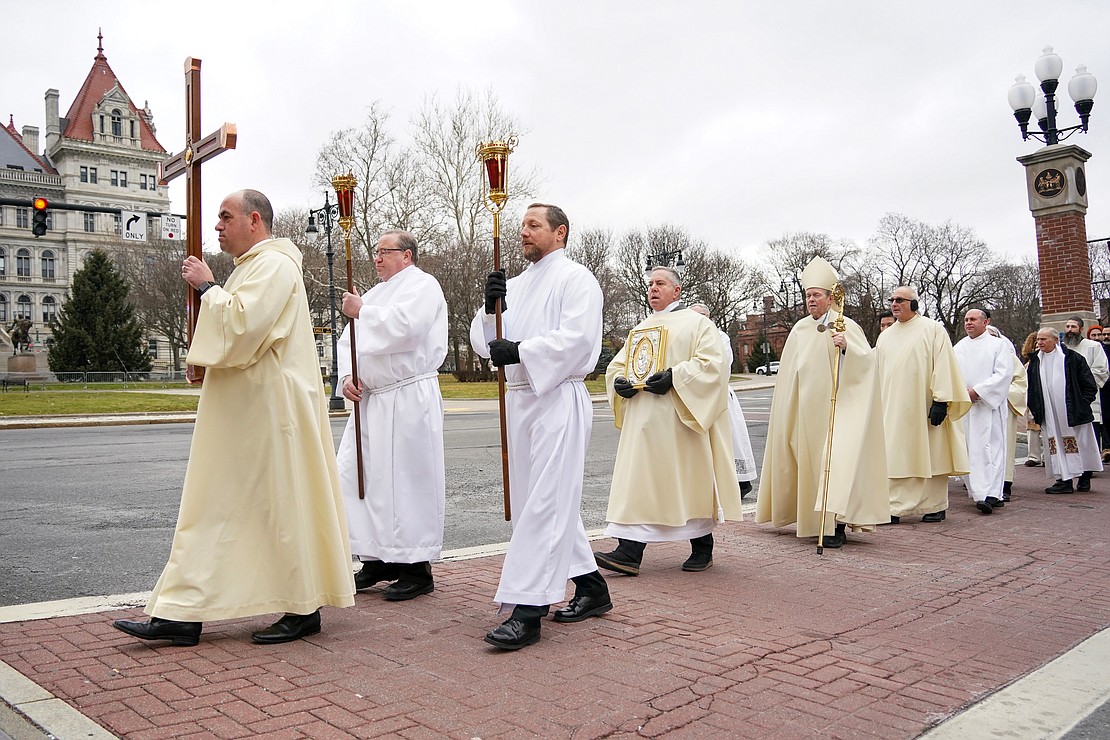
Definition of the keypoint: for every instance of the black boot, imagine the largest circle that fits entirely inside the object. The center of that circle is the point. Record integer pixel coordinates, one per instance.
(519, 630)
(1084, 482)
(625, 559)
(1007, 490)
(414, 579)
(591, 599)
(701, 554)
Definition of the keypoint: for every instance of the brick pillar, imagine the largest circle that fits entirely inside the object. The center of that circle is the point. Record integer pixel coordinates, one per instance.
(1057, 189)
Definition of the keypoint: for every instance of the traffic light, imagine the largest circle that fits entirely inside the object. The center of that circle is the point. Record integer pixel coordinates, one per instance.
(38, 220)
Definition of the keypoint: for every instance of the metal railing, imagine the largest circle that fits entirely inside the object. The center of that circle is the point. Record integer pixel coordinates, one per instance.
(92, 378)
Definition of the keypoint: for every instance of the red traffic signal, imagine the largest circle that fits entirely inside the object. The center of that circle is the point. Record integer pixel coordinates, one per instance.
(38, 219)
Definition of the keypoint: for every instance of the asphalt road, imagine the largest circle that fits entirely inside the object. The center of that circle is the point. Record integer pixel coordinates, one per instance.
(90, 511)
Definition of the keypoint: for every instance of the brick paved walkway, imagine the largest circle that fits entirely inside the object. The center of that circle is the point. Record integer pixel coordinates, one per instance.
(886, 637)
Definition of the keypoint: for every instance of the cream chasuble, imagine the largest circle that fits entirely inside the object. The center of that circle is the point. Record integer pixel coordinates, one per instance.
(916, 367)
(674, 460)
(797, 435)
(554, 311)
(261, 527)
(402, 341)
(987, 365)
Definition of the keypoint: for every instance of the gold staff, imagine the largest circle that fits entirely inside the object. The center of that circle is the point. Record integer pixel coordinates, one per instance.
(838, 326)
(345, 192)
(495, 158)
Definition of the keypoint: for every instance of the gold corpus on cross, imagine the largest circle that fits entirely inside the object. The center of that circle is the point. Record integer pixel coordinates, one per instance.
(197, 151)
(494, 156)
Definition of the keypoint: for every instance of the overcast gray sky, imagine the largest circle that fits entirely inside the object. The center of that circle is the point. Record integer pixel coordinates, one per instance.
(741, 121)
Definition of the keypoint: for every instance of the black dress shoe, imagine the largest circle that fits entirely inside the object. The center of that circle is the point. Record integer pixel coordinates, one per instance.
(893, 520)
(374, 572)
(405, 590)
(698, 561)
(1033, 464)
(984, 506)
(936, 516)
(583, 607)
(836, 540)
(1060, 486)
(745, 488)
(288, 628)
(1084, 482)
(414, 579)
(996, 502)
(625, 559)
(514, 634)
(185, 634)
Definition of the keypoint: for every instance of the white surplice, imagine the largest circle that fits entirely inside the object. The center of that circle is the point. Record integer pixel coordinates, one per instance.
(401, 339)
(987, 364)
(553, 309)
(742, 453)
(1068, 451)
(1095, 356)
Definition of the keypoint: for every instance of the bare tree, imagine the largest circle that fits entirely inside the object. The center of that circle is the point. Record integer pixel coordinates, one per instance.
(153, 273)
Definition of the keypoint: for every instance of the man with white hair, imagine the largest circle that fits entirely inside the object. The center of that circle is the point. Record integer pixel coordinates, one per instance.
(798, 434)
(1061, 388)
(742, 453)
(924, 395)
(673, 478)
(988, 367)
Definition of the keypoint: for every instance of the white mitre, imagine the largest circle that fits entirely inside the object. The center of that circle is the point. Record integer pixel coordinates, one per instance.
(819, 274)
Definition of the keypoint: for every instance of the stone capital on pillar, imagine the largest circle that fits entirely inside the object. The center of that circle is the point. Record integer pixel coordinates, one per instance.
(1056, 184)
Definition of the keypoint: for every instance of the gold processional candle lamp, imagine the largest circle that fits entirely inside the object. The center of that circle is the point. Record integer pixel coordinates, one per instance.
(494, 156)
(345, 193)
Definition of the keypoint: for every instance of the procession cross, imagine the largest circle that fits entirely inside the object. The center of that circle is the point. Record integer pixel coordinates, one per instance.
(188, 162)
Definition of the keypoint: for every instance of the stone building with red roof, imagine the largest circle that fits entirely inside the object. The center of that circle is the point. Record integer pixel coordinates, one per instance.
(104, 152)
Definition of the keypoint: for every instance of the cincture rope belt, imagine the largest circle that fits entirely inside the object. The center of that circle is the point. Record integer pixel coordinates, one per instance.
(402, 383)
(522, 385)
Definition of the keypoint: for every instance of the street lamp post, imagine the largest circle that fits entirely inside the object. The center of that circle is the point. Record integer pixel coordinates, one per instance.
(1025, 102)
(1056, 185)
(328, 215)
(768, 301)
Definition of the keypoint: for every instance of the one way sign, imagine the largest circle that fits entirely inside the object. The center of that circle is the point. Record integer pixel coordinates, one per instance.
(132, 226)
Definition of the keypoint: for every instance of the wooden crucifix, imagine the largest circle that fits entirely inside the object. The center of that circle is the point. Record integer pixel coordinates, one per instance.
(196, 152)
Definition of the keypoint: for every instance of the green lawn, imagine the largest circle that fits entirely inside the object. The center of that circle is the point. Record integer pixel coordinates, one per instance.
(115, 398)
(78, 401)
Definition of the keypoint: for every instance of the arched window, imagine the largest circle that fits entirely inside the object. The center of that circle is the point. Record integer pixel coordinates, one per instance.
(23, 263)
(117, 122)
(3, 262)
(49, 309)
(48, 265)
(23, 307)
(3, 309)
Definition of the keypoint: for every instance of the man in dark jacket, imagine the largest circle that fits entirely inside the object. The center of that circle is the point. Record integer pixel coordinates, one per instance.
(1061, 389)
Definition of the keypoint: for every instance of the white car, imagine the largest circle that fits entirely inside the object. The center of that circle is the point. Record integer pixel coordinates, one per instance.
(762, 369)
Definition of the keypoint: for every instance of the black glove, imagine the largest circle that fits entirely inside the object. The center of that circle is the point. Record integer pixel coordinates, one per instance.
(503, 352)
(937, 412)
(624, 388)
(659, 382)
(495, 288)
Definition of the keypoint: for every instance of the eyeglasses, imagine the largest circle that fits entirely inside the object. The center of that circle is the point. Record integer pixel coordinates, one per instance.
(900, 300)
(382, 250)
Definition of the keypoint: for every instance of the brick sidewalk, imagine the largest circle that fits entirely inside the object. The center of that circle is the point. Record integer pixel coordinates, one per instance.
(886, 637)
